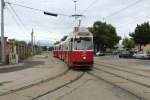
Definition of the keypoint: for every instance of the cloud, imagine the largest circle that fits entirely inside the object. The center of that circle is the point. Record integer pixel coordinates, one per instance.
(51, 28)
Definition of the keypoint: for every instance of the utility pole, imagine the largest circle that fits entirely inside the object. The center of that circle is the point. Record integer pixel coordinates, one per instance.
(34, 48)
(77, 16)
(32, 42)
(75, 4)
(3, 53)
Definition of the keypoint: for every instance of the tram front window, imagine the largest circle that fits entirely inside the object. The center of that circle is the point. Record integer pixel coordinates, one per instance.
(83, 44)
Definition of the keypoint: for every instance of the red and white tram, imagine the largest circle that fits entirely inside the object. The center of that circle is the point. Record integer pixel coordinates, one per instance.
(77, 49)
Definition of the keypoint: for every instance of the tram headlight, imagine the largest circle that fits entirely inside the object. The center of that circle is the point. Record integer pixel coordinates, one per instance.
(84, 57)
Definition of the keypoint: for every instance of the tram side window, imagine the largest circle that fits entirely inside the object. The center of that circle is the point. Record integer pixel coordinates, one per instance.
(70, 46)
(66, 47)
(59, 47)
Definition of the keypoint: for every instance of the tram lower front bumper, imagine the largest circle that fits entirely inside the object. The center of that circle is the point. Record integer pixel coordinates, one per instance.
(84, 64)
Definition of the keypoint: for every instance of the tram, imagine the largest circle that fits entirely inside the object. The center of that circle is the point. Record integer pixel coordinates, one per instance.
(77, 49)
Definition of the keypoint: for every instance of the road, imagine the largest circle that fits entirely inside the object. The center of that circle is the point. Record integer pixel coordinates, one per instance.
(111, 78)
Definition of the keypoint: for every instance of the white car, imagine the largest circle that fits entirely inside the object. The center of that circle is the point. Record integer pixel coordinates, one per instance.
(142, 55)
(100, 53)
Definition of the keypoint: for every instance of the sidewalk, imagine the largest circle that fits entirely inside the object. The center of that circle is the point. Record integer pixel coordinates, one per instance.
(30, 72)
(21, 66)
(10, 66)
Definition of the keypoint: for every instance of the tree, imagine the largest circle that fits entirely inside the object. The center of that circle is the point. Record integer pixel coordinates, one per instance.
(50, 48)
(57, 42)
(128, 43)
(105, 36)
(44, 48)
(141, 34)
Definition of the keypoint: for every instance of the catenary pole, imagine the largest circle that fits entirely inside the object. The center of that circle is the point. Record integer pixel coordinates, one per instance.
(32, 42)
(3, 53)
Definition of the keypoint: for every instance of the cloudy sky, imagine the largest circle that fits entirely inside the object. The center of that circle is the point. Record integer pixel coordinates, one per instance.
(123, 14)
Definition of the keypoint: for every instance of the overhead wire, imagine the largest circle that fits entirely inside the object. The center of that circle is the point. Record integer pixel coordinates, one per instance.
(89, 6)
(36, 9)
(19, 19)
(24, 7)
(136, 19)
(15, 20)
(124, 8)
(117, 12)
(114, 13)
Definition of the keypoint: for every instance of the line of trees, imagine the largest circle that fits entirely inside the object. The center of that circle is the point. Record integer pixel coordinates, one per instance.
(140, 36)
(105, 36)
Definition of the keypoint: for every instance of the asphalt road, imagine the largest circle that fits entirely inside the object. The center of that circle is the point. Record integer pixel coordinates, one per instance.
(127, 81)
(116, 59)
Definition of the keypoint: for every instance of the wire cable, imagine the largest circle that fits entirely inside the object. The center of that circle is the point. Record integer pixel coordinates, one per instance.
(15, 19)
(124, 8)
(85, 10)
(34, 8)
(136, 19)
(88, 7)
(19, 19)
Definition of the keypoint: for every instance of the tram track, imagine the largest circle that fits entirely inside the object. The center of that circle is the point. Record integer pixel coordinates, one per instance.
(125, 70)
(113, 84)
(34, 84)
(139, 83)
(129, 77)
(138, 69)
(59, 87)
(45, 87)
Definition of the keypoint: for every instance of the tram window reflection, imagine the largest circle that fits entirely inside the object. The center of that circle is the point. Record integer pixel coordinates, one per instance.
(83, 43)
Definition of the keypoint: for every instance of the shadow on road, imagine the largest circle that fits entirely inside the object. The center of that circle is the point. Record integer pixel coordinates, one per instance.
(83, 69)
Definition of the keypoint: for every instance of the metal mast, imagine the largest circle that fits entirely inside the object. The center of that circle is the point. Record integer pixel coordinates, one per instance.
(76, 16)
(32, 49)
(3, 53)
(75, 6)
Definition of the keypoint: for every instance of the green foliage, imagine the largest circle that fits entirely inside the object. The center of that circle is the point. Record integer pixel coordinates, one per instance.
(105, 35)
(50, 48)
(44, 48)
(57, 42)
(141, 34)
(17, 42)
(20, 42)
(29, 44)
(128, 43)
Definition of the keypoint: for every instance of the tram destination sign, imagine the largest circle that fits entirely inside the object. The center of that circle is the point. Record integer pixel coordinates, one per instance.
(83, 33)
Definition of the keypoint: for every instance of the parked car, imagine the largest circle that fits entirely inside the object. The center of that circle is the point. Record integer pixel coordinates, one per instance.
(126, 54)
(99, 53)
(142, 55)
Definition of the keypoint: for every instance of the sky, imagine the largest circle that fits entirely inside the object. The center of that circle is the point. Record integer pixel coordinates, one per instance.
(122, 14)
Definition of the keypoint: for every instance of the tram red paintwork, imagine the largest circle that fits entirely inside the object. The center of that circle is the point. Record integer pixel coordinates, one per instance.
(75, 58)
(80, 59)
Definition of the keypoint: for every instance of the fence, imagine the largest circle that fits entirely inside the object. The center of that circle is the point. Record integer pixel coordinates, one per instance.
(12, 47)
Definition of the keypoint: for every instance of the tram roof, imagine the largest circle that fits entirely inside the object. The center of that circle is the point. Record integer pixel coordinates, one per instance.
(81, 32)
